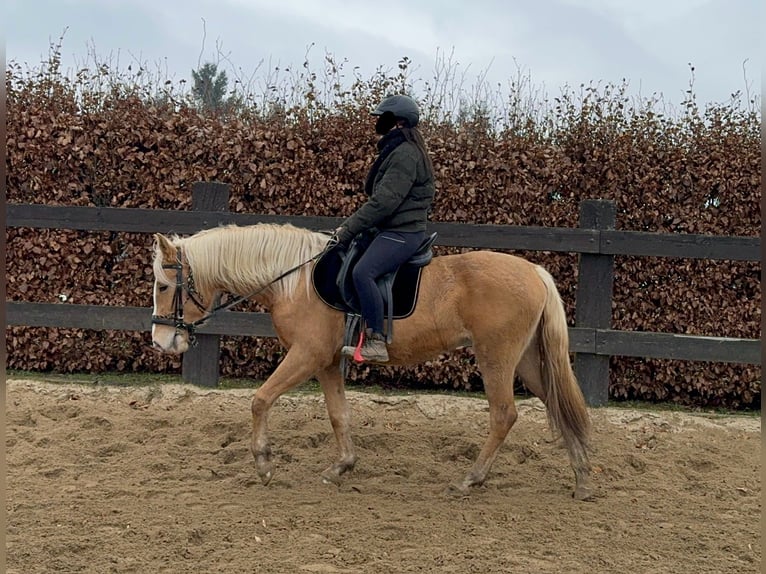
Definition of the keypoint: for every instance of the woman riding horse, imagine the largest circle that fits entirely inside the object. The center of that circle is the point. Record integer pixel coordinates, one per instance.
(505, 307)
(401, 188)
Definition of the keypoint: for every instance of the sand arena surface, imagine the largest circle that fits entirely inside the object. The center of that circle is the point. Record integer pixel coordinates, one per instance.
(160, 479)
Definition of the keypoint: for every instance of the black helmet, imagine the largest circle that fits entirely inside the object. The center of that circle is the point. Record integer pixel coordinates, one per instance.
(403, 107)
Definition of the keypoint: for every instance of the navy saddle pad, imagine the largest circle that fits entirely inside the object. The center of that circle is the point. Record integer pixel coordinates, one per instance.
(334, 285)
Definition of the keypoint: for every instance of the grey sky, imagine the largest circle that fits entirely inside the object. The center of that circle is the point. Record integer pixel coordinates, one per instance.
(555, 42)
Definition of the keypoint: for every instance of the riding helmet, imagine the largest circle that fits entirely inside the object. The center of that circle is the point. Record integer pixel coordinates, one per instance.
(403, 107)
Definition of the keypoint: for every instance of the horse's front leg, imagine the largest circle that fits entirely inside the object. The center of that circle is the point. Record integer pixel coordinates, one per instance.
(295, 368)
(340, 419)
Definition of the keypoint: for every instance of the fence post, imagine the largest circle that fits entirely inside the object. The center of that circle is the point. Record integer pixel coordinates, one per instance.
(200, 363)
(593, 308)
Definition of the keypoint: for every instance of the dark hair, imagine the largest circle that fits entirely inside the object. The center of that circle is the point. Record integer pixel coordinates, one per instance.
(414, 136)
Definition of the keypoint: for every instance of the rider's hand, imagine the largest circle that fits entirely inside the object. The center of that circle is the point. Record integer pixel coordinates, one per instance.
(339, 236)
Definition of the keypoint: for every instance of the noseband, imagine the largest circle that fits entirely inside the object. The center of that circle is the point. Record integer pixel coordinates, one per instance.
(177, 318)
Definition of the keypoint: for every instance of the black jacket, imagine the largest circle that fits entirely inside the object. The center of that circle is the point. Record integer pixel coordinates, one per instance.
(402, 193)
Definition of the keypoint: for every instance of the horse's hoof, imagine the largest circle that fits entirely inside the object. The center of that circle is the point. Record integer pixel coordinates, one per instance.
(584, 493)
(266, 477)
(457, 490)
(331, 476)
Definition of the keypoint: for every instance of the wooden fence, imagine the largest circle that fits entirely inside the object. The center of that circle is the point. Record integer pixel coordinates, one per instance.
(591, 340)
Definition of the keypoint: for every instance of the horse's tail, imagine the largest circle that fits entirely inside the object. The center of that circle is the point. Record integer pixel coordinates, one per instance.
(567, 412)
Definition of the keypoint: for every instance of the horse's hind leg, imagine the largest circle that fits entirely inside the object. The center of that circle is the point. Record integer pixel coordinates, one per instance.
(529, 371)
(340, 419)
(497, 373)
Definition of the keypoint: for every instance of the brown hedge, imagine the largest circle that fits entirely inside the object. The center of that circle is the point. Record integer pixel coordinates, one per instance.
(693, 172)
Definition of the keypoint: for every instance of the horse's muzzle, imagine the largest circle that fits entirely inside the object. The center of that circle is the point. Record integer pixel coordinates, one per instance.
(170, 342)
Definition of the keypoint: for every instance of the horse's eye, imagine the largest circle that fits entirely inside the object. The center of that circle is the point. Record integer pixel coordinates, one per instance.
(163, 288)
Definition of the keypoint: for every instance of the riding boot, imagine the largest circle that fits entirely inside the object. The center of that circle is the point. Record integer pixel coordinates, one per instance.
(373, 348)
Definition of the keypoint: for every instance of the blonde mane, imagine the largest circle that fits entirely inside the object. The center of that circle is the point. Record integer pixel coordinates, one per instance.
(242, 259)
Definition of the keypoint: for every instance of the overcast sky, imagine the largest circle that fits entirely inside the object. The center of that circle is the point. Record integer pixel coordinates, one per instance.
(649, 43)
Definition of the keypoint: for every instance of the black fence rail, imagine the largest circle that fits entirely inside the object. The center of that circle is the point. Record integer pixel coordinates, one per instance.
(591, 339)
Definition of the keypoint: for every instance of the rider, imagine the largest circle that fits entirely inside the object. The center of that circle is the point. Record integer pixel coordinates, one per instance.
(400, 186)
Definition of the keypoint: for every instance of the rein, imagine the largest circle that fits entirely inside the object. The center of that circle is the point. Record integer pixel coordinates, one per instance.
(177, 319)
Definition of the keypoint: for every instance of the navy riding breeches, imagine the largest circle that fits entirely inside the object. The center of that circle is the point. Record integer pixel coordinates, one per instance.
(386, 253)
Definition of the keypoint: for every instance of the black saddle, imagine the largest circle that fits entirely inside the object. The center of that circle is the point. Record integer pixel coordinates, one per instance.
(334, 285)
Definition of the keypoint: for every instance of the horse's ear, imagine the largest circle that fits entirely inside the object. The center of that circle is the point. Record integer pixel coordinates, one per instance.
(165, 247)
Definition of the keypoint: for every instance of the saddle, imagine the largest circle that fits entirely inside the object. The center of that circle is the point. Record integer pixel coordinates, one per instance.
(334, 285)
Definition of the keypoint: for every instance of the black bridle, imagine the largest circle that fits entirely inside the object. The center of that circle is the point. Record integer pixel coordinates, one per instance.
(177, 318)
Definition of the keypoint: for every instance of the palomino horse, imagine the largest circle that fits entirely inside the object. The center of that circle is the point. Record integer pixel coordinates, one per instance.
(507, 308)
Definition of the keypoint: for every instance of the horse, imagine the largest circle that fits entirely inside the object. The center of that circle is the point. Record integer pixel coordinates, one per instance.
(505, 307)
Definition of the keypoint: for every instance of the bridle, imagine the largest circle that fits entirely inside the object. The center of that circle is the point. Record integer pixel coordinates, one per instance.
(176, 319)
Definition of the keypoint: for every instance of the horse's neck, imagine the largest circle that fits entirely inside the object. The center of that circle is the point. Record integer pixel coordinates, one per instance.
(261, 290)
(296, 304)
